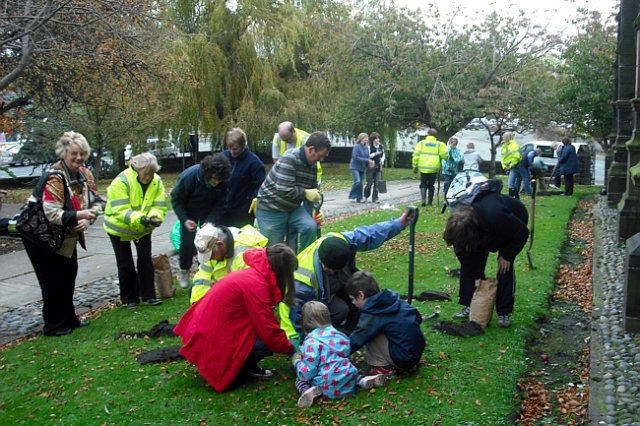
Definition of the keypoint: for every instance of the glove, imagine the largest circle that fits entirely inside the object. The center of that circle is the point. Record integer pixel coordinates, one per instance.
(155, 221)
(415, 170)
(297, 357)
(312, 195)
(144, 221)
(252, 206)
(319, 218)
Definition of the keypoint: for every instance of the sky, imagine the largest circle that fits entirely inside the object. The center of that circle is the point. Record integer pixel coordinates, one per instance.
(557, 13)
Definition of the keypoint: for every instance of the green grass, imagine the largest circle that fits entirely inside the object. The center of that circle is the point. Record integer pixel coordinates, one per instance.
(88, 377)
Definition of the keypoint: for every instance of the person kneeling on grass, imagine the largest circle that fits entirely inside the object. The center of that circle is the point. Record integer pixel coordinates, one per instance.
(388, 327)
(322, 365)
(233, 326)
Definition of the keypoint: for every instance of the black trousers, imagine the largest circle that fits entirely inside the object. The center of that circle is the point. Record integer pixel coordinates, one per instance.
(568, 184)
(373, 178)
(472, 268)
(57, 278)
(134, 284)
(428, 180)
(187, 248)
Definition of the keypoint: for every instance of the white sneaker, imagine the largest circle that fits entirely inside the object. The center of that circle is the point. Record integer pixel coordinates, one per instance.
(308, 396)
(369, 382)
(552, 186)
(184, 279)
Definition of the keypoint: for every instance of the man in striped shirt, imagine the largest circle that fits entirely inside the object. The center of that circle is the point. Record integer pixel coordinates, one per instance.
(292, 180)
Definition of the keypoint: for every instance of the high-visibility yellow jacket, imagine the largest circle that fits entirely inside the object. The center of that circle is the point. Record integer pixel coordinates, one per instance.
(301, 138)
(307, 275)
(428, 155)
(511, 155)
(127, 205)
(210, 272)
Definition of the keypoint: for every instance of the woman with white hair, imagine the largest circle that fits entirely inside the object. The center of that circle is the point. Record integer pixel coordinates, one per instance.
(136, 205)
(67, 194)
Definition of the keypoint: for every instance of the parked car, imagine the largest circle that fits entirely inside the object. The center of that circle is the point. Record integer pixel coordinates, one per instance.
(30, 153)
(162, 149)
(7, 156)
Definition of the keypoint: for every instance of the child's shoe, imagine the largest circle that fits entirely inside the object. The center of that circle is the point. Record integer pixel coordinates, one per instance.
(308, 396)
(369, 382)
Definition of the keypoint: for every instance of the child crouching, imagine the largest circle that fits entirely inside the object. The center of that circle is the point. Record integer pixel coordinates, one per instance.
(322, 365)
(388, 327)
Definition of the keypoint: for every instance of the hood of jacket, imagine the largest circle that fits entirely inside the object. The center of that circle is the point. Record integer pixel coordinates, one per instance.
(385, 302)
(258, 260)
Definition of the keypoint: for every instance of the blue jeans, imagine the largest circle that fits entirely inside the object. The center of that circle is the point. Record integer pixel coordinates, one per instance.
(275, 225)
(447, 183)
(522, 176)
(356, 188)
(512, 179)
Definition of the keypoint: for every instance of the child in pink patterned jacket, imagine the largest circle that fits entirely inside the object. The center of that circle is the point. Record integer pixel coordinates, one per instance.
(322, 365)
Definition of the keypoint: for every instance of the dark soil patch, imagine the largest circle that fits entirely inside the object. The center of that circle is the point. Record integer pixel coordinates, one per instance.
(10, 245)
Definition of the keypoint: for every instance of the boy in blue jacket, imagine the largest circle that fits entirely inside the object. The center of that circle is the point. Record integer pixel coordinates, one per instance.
(388, 328)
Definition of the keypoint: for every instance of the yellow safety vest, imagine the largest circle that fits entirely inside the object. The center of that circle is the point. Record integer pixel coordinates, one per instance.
(307, 275)
(210, 272)
(301, 138)
(511, 155)
(429, 154)
(126, 205)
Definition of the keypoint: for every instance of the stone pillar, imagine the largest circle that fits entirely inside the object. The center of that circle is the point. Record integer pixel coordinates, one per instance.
(629, 205)
(632, 285)
(626, 76)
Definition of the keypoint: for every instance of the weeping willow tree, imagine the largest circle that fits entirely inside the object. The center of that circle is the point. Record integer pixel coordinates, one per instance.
(246, 64)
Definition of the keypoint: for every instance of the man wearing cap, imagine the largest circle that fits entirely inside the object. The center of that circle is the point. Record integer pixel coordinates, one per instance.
(325, 266)
(220, 252)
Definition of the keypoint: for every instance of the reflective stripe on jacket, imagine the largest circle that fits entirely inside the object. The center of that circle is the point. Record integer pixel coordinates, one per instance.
(306, 274)
(210, 272)
(127, 205)
(428, 154)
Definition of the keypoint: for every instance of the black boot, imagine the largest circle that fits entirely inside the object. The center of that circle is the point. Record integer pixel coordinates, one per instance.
(423, 194)
(431, 191)
(513, 192)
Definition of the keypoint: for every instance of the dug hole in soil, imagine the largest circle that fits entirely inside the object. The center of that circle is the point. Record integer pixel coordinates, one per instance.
(556, 389)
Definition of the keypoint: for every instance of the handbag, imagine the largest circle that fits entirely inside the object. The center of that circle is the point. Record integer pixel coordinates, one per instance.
(382, 186)
(33, 224)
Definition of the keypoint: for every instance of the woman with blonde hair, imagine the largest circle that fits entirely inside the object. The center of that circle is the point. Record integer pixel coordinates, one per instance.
(136, 205)
(67, 194)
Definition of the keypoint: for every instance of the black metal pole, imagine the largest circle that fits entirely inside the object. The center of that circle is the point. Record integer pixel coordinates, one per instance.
(413, 214)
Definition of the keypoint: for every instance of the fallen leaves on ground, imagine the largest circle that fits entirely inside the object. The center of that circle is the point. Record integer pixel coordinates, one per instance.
(567, 404)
